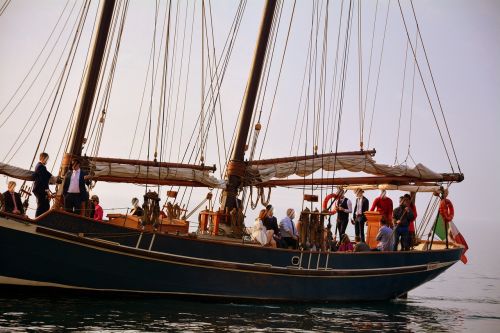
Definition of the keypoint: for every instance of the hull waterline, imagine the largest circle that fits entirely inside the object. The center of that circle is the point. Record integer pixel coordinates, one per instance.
(32, 255)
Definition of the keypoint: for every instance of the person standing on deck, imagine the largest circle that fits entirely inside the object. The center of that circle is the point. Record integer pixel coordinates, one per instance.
(411, 227)
(13, 203)
(136, 209)
(402, 217)
(383, 205)
(359, 217)
(98, 212)
(447, 212)
(74, 190)
(41, 181)
(343, 208)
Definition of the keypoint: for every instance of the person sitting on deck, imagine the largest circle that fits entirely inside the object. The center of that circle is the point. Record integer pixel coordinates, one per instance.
(329, 243)
(136, 209)
(345, 244)
(98, 212)
(384, 236)
(260, 233)
(271, 223)
(402, 217)
(288, 230)
(383, 205)
(361, 247)
(12, 200)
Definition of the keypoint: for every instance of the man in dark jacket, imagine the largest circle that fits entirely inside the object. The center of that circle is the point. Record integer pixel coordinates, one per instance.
(13, 203)
(343, 208)
(41, 179)
(402, 216)
(362, 205)
(74, 189)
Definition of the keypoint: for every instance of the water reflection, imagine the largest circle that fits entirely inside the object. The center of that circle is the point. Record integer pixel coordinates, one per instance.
(43, 313)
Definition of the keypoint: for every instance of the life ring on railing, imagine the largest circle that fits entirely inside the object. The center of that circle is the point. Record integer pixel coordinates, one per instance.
(446, 210)
(326, 200)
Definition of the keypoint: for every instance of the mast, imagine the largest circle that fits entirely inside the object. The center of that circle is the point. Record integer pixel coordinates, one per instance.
(94, 63)
(95, 60)
(236, 166)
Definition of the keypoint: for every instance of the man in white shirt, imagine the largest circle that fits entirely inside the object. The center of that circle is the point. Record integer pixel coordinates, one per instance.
(362, 205)
(288, 229)
(74, 189)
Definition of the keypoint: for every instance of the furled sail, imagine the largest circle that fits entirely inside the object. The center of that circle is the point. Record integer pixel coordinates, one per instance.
(131, 172)
(15, 172)
(390, 187)
(256, 174)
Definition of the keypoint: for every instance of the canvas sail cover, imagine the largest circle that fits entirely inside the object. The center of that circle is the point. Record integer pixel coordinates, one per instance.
(153, 173)
(390, 187)
(363, 163)
(255, 174)
(15, 172)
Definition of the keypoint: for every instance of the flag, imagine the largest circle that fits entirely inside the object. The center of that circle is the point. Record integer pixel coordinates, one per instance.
(453, 233)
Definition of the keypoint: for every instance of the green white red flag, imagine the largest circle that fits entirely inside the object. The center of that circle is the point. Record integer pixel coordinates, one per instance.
(453, 233)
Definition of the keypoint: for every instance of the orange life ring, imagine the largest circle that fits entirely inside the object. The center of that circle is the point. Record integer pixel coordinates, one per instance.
(326, 200)
(446, 210)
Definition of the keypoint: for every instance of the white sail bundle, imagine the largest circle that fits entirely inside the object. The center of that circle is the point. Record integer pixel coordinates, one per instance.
(15, 172)
(155, 173)
(362, 163)
(390, 187)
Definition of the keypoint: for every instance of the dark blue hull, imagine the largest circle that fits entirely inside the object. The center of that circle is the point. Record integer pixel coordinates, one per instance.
(41, 256)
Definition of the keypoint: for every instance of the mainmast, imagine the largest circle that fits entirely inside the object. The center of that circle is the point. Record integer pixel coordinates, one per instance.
(236, 166)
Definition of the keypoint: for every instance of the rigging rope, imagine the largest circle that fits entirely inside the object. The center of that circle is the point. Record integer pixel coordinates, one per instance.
(39, 72)
(360, 80)
(378, 74)
(425, 87)
(434, 85)
(60, 79)
(401, 105)
(37, 57)
(4, 6)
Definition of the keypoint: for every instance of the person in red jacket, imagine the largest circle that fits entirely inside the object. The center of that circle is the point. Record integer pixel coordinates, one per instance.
(447, 212)
(98, 212)
(383, 205)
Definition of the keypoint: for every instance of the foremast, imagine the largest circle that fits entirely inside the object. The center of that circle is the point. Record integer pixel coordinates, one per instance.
(94, 65)
(236, 166)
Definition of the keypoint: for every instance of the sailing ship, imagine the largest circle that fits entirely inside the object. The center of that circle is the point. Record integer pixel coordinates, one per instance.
(158, 256)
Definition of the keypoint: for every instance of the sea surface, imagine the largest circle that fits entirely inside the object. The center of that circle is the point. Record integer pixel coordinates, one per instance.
(466, 298)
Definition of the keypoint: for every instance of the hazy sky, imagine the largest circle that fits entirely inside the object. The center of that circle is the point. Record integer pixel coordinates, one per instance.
(461, 39)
